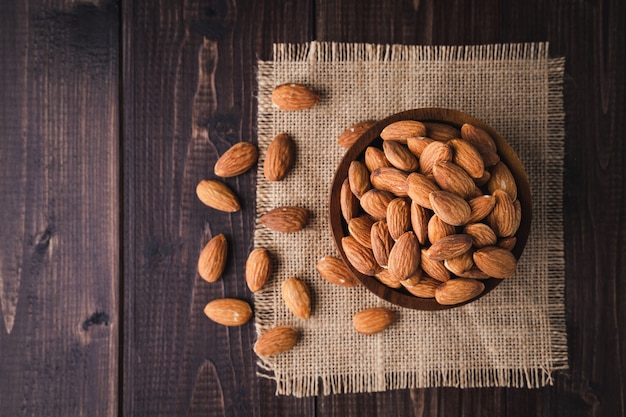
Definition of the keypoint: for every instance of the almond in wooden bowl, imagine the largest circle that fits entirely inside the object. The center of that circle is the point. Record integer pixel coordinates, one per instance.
(469, 180)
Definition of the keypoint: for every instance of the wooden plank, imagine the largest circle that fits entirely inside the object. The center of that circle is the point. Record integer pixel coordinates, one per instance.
(189, 87)
(59, 239)
(587, 34)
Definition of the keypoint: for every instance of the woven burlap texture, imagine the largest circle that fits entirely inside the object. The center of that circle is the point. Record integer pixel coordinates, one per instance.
(513, 337)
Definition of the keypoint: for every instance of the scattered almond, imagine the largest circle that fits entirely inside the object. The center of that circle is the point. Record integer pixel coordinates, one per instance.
(373, 320)
(286, 219)
(277, 340)
(279, 158)
(217, 195)
(212, 259)
(297, 297)
(293, 96)
(258, 269)
(236, 160)
(228, 311)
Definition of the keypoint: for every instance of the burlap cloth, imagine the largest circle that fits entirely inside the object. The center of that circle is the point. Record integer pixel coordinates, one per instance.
(513, 337)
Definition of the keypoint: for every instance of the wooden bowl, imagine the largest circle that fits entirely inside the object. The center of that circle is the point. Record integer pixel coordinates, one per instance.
(455, 118)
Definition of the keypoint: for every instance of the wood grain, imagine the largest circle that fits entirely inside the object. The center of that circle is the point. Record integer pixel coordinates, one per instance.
(59, 239)
(189, 86)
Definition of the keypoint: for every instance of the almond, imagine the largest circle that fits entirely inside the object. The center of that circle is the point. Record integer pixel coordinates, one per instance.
(292, 96)
(381, 242)
(419, 222)
(508, 243)
(351, 134)
(482, 141)
(419, 189)
(286, 219)
(518, 215)
(483, 180)
(236, 160)
(495, 261)
(375, 203)
(436, 151)
(404, 258)
(477, 136)
(297, 297)
(441, 131)
(417, 145)
(375, 158)
(475, 273)
(228, 311)
(467, 157)
(217, 195)
(402, 130)
(373, 320)
(212, 259)
(359, 228)
(333, 270)
(279, 158)
(503, 218)
(385, 277)
(449, 247)
(482, 235)
(391, 180)
(258, 269)
(480, 207)
(399, 156)
(425, 288)
(360, 257)
(359, 178)
(459, 264)
(458, 291)
(434, 269)
(412, 280)
(398, 217)
(451, 208)
(453, 178)
(348, 202)
(277, 340)
(502, 179)
(438, 229)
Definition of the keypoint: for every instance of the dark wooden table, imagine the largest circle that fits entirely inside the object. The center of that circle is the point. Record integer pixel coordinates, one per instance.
(100, 229)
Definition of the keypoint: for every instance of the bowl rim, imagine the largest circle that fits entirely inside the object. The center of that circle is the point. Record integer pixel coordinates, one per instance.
(455, 118)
